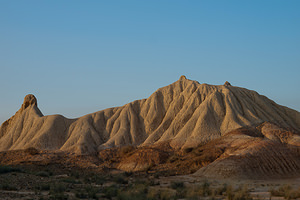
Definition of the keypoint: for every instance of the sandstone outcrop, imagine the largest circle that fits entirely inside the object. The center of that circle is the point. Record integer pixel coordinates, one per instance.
(184, 113)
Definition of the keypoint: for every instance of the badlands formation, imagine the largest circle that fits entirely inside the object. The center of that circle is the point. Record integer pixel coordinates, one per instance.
(250, 134)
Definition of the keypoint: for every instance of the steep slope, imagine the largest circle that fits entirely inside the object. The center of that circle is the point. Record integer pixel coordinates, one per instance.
(185, 113)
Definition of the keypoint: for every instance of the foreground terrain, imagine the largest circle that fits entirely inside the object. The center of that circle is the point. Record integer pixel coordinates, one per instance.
(158, 172)
(57, 182)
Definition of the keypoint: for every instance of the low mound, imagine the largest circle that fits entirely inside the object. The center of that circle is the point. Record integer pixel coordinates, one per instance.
(267, 152)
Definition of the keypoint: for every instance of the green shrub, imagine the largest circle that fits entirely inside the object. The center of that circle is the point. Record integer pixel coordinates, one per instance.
(134, 192)
(126, 195)
(71, 180)
(181, 193)
(43, 174)
(111, 191)
(156, 175)
(91, 192)
(229, 192)
(127, 174)
(162, 194)
(166, 194)
(205, 190)
(7, 169)
(99, 180)
(294, 194)
(43, 187)
(120, 180)
(75, 174)
(57, 192)
(242, 193)
(196, 191)
(220, 190)
(6, 186)
(286, 191)
(57, 188)
(59, 196)
(176, 185)
(153, 182)
(81, 194)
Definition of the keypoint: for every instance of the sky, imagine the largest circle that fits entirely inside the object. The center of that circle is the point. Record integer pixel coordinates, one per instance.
(79, 57)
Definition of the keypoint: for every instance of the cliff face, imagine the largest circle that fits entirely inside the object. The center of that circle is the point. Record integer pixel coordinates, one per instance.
(185, 114)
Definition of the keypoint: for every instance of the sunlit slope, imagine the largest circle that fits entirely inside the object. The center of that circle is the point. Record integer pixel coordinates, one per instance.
(185, 113)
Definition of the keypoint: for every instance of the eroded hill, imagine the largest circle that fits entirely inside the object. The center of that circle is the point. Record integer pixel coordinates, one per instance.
(185, 114)
(217, 131)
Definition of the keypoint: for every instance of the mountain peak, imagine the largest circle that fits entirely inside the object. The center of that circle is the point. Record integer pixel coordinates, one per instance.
(183, 77)
(227, 83)
(29, 100)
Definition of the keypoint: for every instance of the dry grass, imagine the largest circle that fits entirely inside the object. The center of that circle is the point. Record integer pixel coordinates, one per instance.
(286, 191)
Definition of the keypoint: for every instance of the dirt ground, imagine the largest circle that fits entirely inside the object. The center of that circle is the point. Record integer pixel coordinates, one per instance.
(40, 183)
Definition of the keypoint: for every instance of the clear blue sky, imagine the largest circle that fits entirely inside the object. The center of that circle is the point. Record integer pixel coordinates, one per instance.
(79, 57)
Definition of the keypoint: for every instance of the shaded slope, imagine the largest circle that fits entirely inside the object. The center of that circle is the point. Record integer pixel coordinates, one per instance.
(185, 113)
(268, 152)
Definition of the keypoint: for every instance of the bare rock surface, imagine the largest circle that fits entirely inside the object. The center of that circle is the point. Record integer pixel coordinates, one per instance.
(184, 113)
(268, 152)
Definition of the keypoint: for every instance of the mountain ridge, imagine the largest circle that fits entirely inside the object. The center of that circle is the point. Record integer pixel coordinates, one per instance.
(184, 113)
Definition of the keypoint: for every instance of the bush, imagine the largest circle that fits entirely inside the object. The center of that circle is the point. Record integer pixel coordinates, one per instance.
(71, 180)
(59, 196)
(81, 194)
(242, 193)
(75, 174)
(176, 185)
(166, 194)
(120, 179)
(202, 190)
(153, 182)
(111, 191)
(134, 192)
(7, 169)
(220, 190)
(43, 174)
(43, 187)
(99, 180)
(127, 174)
(32, 151)
(205, 190)
(6, 186)
(91, 192)
(57, 188)
(163, 194)
(286, 191)
(229, 192)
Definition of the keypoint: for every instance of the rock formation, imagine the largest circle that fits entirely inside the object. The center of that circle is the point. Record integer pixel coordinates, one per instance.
(184, 113)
